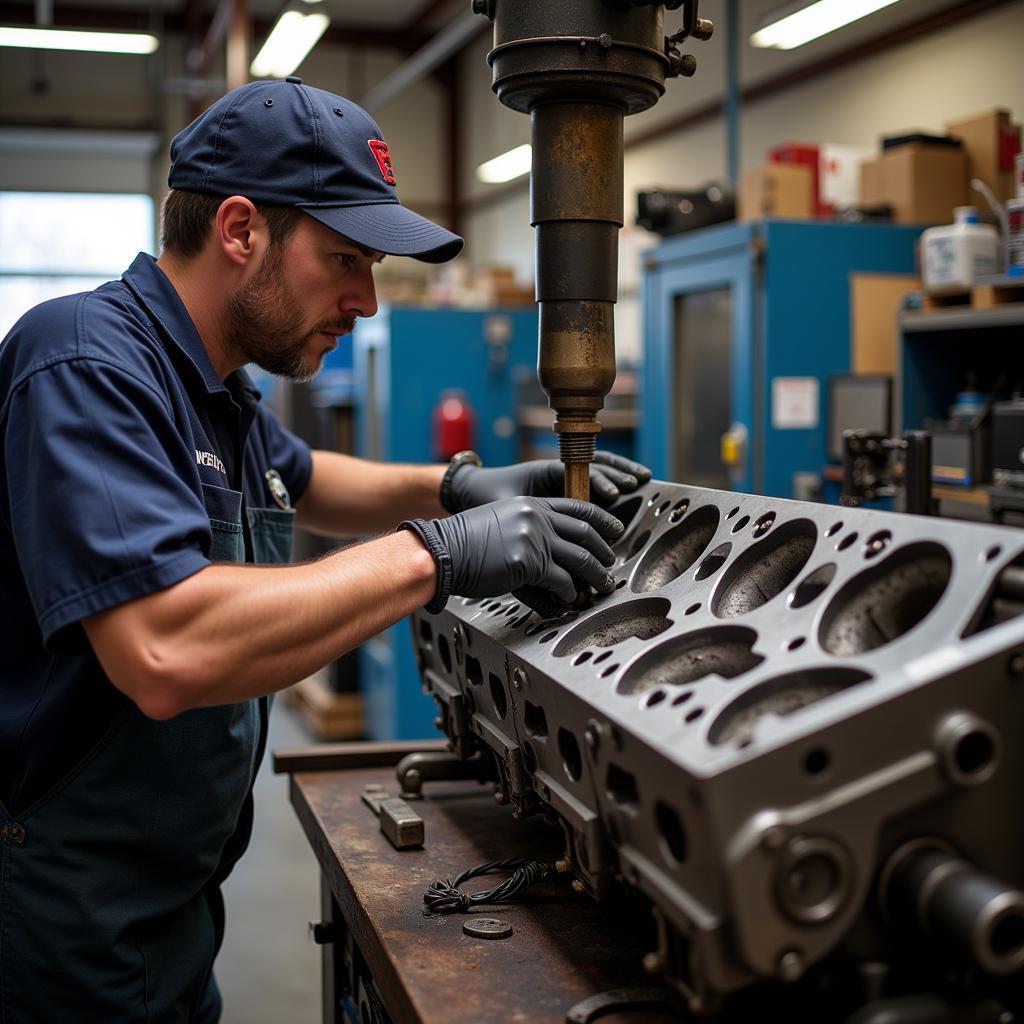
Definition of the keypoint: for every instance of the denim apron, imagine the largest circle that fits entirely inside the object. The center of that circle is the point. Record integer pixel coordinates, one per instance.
(110, 883)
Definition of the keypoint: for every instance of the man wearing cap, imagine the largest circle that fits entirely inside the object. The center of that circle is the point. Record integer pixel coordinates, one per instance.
(139, 475)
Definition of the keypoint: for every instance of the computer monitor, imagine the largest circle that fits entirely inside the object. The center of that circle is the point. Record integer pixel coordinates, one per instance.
(857, 402)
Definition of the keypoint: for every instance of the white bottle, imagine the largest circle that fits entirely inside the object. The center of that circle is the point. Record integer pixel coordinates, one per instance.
(955, 255)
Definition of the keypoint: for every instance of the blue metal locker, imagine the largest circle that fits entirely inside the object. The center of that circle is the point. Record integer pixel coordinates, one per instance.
(743, 324)
(405, 358)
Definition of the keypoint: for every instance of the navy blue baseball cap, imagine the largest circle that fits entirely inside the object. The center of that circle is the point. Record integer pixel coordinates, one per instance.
(288, 144)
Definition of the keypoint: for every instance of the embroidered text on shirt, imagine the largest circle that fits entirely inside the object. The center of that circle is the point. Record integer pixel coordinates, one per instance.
(211, 460)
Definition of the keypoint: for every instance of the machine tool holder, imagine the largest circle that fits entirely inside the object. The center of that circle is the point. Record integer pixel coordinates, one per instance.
(776, 700)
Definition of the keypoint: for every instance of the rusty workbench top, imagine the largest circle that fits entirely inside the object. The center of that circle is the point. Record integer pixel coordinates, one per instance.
(565, 948)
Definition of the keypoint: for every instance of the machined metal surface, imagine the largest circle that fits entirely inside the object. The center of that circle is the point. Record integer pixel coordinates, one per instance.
(777, 697)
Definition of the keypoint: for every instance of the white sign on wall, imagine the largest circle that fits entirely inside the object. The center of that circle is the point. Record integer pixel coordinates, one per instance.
(794, 403)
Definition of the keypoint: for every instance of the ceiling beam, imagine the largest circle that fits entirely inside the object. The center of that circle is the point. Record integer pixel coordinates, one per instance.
(446, 44)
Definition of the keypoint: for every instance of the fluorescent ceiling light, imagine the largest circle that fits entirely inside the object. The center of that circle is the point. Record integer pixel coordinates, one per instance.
(507, 166)
(77, 39)
(290, 40)
(788, 30)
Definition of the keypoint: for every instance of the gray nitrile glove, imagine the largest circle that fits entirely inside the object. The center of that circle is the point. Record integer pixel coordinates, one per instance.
(554, 544)
(610, 476)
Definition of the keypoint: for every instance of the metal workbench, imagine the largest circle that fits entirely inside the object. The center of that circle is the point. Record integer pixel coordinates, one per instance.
(385, 959)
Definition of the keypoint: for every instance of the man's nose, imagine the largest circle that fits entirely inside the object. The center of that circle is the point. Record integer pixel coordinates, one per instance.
(361, 302)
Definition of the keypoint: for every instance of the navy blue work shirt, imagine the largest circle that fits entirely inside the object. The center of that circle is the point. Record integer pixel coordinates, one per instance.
(119, 445)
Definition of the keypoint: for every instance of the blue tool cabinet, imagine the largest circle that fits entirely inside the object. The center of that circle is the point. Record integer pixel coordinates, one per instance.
(404, 358)
(743, 324)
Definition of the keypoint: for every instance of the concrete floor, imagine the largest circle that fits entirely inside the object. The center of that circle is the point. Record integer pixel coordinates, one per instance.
(269, 969)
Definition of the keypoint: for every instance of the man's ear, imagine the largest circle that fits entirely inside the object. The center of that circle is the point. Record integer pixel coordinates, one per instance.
(240, 230)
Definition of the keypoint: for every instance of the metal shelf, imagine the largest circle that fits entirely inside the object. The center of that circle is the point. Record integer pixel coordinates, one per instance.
(963, 318)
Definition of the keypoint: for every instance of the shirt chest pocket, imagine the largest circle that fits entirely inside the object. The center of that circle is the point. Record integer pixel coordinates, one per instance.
(224, 508)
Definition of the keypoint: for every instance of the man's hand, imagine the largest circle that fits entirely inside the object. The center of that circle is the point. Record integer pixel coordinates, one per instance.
(557, 545)
(610, 476)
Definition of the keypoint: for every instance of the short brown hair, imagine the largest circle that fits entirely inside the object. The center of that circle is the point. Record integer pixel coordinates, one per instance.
(186, 218)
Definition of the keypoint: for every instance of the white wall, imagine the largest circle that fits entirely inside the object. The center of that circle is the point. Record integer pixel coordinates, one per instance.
(943, 76)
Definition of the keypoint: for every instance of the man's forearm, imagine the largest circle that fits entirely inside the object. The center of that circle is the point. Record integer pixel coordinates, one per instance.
(230, 632)
(351, 497)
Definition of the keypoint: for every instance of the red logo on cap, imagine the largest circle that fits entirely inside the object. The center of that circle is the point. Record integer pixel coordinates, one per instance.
(380, 150)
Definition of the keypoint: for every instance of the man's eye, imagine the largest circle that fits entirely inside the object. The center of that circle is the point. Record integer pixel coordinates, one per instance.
(345, 260)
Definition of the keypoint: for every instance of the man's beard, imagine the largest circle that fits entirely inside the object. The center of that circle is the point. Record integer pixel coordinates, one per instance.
(265, 324)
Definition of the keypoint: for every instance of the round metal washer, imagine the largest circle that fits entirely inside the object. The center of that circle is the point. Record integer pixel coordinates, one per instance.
(487, 928)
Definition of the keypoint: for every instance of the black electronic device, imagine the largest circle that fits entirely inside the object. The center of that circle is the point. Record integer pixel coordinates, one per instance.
(961, 445)
(1008, 443)
(671, 212)
(857, 402)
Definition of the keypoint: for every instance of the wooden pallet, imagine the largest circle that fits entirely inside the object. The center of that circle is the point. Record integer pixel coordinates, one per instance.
(981, 296)
(985, 296)
(327, 715)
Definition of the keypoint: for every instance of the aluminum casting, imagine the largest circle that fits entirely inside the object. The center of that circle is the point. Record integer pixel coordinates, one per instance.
(795, 728)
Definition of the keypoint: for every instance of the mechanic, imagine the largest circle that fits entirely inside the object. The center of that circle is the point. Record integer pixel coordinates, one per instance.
(139, 474)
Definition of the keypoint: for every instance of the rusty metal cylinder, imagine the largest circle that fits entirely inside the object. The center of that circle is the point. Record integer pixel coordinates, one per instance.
(578, 67)
(576, 209)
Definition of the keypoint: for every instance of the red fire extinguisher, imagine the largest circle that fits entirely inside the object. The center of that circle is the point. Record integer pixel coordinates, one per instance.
(454, 425)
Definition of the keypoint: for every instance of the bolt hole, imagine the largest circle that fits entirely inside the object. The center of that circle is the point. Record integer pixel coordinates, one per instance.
(740, 523)
(693, 608)
(1008, 936)
(653, 498)
(609, 670)
(764, 524)
(581, 658)
(974, 752)
(682, 698)
(548, 637)
(693, 715)
(796, 643)
(993, 553)
(833, 529)
(732, 512)
(602, 657)
(446, 652)
(877, 543)
(661, 508)
(849, 539)
(816, 761)
(620, 584)
(654, 699)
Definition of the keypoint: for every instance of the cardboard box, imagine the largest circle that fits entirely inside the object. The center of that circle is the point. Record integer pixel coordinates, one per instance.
(777, 190)
(875, 300)
(921, 183)
(991, 141)
(806, 155)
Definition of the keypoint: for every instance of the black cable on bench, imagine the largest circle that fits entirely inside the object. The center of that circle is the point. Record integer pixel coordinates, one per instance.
(445, 897)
